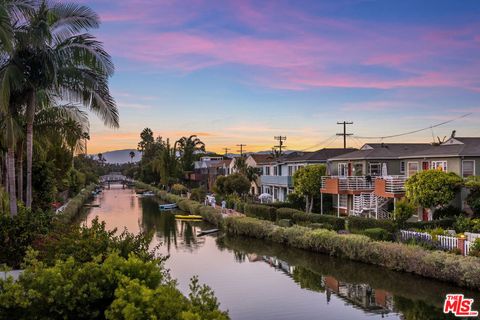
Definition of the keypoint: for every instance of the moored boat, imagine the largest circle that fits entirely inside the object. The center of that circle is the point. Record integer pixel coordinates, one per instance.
(185, 217)
(167, 206)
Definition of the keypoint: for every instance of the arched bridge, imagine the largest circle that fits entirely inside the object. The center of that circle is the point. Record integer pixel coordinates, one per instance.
(116, 178)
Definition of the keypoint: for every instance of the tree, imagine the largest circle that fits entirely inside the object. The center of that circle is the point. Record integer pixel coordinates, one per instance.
(404, 210)
(146, 141)
(53, 60)
(232, 184)
(132, 155)
(187, 147)
(432, 188)
(308, 182)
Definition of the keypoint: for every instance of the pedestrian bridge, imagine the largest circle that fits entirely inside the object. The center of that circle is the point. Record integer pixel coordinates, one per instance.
(115, 178)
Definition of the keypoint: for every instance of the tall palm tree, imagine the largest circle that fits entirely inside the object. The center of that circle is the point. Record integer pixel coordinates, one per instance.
(11, 11)
(132, 155)
(53, 57)
(187, 146)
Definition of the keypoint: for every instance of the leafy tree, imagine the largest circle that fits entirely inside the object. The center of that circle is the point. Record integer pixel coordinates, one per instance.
(404, 210)
(432, 188)
(473, 198)
(308, 182)
(187, 147)
(237, 184)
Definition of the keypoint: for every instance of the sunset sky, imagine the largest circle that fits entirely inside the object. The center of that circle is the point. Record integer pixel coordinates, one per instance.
(244, 71)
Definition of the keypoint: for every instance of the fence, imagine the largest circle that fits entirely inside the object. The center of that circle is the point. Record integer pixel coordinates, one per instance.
(472, 236)
(443, 242)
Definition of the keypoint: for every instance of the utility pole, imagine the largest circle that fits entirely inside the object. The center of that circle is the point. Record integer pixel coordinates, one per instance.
(241, 148)
(344, 134)
(280, 140)
(226, 150)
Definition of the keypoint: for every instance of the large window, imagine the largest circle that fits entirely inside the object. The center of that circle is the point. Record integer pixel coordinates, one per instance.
(468, 168)
(402, 166)
(342, 169)
(412, 168)
(439, 165)
(275, 171)
(375, 169)
(358, 169)
(267, 170)
(290, 171)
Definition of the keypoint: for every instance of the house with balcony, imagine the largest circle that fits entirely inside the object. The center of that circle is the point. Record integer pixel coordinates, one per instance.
(207, 169)
(368, 181)
(277, 173)
(256, 160)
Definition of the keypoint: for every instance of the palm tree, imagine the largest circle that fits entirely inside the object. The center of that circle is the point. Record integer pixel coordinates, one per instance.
(187, 146)
(132, 155)
(11, 11)
(53, 60)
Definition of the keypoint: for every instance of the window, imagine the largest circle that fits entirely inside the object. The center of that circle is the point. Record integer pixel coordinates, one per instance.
(412, 168)
(342, 169)
(402, 166)
(358, 169)
(290, 171)
(267, 170)
(468, 168)
(439, 165)
(275, 170)
(375, 169)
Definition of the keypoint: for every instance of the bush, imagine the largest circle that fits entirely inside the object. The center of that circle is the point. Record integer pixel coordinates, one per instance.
(301, 217)
(424, 225)
(463, 271)
(198, 194)
(212, 215)
(358, 224)
(179, 189)
(404, 210)
(326, 226)
(475, 248)
(446, 212)
(378, 234)
(285, 223)
(261, 212)
(75, 204)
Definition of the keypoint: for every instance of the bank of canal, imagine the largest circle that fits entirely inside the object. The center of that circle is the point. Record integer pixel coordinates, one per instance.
(258, 280)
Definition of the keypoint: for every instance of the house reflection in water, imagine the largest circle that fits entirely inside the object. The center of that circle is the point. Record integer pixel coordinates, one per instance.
(360, 295)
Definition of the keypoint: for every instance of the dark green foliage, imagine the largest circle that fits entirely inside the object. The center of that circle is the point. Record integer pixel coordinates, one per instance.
(198, 194)
(232, 184)
(44, 184)
(300, 217)
(326, 226)
(378, 234)
(475, 248)
(261, 212)
(446, 212)
(285, 223)
(357, 224)
(18, 233)
(404, 210)
(443, 223)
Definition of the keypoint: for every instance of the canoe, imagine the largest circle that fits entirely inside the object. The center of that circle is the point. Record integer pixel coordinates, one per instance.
(179, 216)
(205, 232)
(167, 206)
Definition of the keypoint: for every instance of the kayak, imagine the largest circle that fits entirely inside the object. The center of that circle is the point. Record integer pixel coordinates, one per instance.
(179, 216)
(205, 232)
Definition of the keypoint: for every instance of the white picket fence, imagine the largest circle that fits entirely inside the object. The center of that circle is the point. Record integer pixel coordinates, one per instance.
(445, 242)
(472, 236)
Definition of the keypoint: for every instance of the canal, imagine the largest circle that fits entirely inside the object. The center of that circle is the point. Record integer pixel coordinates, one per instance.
(257, 280)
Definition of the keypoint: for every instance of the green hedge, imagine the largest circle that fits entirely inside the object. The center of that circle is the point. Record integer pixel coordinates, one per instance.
(378, 234)
(463, 271)
(443, 223)
(298, 216)
(75, 204)
(261, 212)
(358, 224)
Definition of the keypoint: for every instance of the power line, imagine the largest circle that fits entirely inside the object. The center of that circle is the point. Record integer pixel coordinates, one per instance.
(226, 150)
(344, 134)
(280, 139)
(320, 143)
(415, 131)
(241, 148)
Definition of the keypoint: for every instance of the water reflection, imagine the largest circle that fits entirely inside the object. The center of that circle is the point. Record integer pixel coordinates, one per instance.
(259, 280)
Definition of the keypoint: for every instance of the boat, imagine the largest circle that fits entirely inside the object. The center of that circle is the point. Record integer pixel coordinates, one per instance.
(148, 194)
(168, 206)
(189, 217)
(205, 232)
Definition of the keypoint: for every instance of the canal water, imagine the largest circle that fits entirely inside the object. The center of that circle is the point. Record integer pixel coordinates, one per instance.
(257, 280)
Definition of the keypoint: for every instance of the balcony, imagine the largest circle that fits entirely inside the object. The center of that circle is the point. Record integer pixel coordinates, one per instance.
(347, 185)
(390, 186)
(278, 181)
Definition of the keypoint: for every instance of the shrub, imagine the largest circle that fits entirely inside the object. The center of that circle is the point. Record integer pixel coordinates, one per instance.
(424, 225)
(404, 210)
(212, 215)
(198, 194)
(475, 248)
(285, 223)
(75, 204)
(378, 234)
(178, 188)
(301, 217)
(446, 212)
(327, 226)
(261, 212)
(358, 224)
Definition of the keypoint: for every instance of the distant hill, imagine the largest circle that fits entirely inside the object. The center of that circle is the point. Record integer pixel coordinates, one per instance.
(120, 156)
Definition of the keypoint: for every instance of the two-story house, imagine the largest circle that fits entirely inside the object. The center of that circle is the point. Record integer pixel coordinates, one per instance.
(365, 182)
(207, 169)
(277, 173)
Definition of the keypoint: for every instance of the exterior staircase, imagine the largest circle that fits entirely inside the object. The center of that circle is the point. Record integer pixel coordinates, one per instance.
(369, 205)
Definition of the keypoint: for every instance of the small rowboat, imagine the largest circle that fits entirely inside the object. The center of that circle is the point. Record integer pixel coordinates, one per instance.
(205, 232)
(168, 206)
(189, 217)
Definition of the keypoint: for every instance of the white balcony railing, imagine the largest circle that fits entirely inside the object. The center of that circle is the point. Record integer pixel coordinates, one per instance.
(394, 184)
(352, 183)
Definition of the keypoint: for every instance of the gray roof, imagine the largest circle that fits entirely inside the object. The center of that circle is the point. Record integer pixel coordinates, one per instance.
(453, 147)
(312, 156)
(383, 151)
